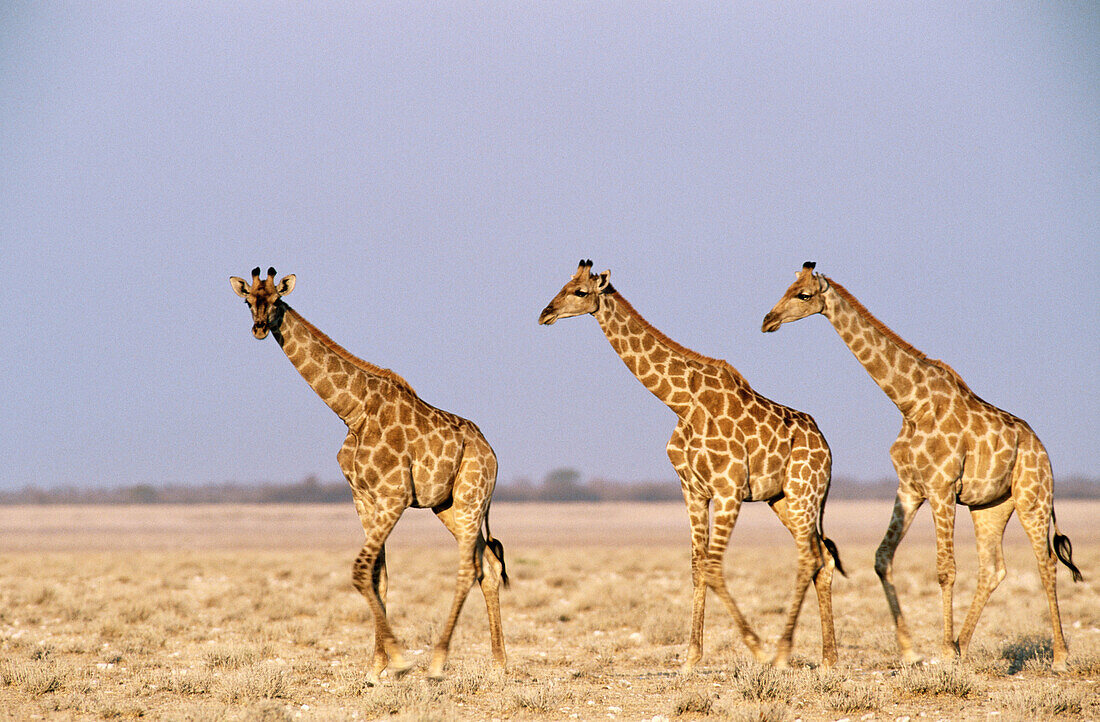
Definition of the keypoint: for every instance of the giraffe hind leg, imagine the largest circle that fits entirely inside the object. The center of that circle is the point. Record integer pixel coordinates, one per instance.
(493, 575)
(812, 566)
(465, 525)
(989, 527)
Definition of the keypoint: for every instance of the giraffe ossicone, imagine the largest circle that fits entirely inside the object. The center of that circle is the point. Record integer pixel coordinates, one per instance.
(399, 452)
(730, 445)
(953, 448)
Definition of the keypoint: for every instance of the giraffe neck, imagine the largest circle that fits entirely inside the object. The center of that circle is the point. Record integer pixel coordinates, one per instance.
(899, 369)
(341, 379)
(671, 372)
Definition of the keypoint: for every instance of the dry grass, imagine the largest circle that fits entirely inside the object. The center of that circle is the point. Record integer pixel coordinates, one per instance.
(593, 632)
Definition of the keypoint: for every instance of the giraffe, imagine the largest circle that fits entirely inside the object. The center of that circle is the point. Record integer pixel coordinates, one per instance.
(400, 452)
(731, 445)
(954, 448)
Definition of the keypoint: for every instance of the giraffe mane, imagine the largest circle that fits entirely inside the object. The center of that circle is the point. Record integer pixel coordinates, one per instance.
(893, 337)
(349, 356)
(678, 348)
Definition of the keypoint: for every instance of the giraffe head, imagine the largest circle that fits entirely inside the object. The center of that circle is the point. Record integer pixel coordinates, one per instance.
(262, 297)
(804, 298)
(579, 296)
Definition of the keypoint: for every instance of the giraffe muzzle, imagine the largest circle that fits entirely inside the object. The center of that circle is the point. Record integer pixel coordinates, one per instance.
(771, 322)
(259, 330)
(548, 316)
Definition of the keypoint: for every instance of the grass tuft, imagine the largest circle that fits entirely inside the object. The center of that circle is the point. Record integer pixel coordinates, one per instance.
(693, 703)
(952, 680)
(32, 679)
(1041, 701)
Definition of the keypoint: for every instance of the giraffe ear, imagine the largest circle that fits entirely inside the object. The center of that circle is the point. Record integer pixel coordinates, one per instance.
(603, 280)
(240, 286)
(286, 285)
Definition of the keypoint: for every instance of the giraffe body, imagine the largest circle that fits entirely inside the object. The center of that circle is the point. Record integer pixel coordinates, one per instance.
(730, 445)
(399, 452)
(953, 448)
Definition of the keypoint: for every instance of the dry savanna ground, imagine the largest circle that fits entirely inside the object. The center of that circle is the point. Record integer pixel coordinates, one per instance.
(232, 612)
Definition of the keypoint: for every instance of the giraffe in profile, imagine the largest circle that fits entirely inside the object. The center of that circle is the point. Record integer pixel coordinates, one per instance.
(400, 452)
(731, 445)
(954, 448)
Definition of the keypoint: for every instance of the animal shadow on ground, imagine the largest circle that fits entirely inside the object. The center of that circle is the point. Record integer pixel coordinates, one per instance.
(1024, 649)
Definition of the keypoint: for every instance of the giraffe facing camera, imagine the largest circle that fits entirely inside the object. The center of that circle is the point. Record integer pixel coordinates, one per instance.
(400, 452)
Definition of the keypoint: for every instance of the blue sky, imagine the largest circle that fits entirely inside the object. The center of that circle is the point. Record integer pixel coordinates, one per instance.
(432, 173)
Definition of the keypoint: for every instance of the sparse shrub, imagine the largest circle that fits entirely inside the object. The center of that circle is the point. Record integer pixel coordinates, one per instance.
(1045, 700)
(952, 680)
(767, 712)
(693, 702)
(185, 682)
(765, 684)
(414, 698)
(31, 678)
(665, 625)
(540, 698)
(269, 712)
(135, 612)
(856, 697)
(234, 657)
(1086, 664)
(263, 681)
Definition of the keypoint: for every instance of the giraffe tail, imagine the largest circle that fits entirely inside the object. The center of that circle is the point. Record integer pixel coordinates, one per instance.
(497, 549)
(1064, 549)
(830, 546)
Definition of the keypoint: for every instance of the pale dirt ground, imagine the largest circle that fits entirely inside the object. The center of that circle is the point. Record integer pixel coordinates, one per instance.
(247, 612)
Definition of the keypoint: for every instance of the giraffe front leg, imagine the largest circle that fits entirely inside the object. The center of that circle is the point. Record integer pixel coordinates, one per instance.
(699, 516)
(725, 516)
(943, 515)
(906, 505)
(368, 576)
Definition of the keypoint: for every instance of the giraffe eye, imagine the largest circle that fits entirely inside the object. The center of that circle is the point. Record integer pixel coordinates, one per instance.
(803, 297)
(580, 293)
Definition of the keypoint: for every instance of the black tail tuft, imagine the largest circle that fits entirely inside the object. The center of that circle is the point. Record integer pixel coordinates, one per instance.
(497, 549)
(831, 547)
(1064, 550)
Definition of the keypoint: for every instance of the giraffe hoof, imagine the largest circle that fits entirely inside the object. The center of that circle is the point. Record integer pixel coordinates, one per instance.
(1059, 666)
(399, 667)
(911, 658)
